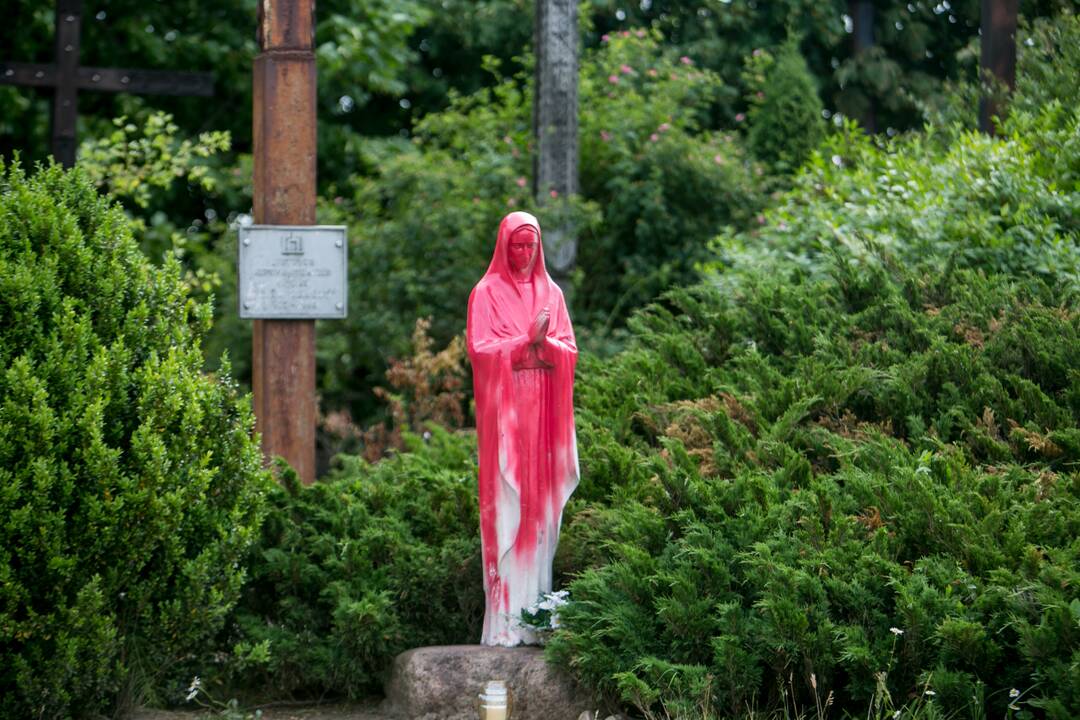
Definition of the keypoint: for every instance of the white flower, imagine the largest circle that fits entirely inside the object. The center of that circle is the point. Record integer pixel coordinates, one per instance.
(551, 601)
(1014, 693)
(896, 631)
(896, 715)
(193, 689)
(931, 693)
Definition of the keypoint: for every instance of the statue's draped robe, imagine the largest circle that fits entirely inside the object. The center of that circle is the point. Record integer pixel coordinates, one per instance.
(525, 431)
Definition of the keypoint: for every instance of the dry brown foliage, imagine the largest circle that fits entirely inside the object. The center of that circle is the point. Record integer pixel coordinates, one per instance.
(1036, 442)
(424, 387)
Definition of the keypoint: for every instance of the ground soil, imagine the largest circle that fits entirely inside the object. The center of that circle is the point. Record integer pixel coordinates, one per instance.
(351, 711)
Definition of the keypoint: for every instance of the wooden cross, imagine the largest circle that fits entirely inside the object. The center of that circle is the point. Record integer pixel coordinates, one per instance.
(67, 77)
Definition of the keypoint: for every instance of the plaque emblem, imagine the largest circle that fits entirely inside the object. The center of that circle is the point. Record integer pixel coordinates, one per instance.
(292, 244)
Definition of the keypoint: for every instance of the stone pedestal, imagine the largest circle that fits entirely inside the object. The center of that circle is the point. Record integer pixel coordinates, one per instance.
(442, 683)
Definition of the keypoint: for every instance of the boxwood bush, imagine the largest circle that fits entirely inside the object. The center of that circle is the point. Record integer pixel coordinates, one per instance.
(130, 486)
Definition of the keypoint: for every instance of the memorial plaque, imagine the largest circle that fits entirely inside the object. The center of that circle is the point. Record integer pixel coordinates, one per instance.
(293, 272)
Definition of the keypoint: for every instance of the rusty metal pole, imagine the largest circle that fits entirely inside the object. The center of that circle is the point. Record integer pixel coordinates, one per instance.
(284, 185)
(997, 63)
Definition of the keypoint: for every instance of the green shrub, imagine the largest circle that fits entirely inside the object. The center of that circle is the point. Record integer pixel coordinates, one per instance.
(130, 487)
(785, 110)
(662, 184)
(1008, 205)
(372, 561)
(814, 463)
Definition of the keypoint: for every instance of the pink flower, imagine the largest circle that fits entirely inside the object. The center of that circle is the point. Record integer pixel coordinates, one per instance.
(641, 34)
(718, 159)
(511, 202)
(338, 200)
(757, 52)
(613, 79)
(626, 33)
(760, 219)
(652, 72)
(686, 61)
(605, 135)
(674, 76)
(625, 69)
(605, 38)
(740, 117)
(760, 95)
(654, 137)
(664, 127)
(521, 182)
(554, 193)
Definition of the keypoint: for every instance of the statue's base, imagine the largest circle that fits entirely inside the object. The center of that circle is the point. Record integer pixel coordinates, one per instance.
(444, 683)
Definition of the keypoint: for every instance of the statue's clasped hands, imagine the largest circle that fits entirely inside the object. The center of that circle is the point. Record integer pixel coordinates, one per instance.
(540, 327)
(537, 334)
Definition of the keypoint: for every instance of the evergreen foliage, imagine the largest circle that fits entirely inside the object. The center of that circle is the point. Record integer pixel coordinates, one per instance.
(351, 571)
(810, 464)
(130, 487)
(785, 114)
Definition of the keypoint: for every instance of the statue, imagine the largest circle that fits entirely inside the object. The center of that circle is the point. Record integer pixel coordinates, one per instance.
(523, 356)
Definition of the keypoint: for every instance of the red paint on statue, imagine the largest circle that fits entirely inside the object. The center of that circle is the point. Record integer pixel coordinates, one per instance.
(523, 355)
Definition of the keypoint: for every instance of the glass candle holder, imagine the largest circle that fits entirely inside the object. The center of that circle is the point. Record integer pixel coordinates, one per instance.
(495, 701)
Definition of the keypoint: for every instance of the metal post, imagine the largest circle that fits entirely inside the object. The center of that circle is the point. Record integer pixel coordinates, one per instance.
(998, 56)
(284, 185)
(65, 100)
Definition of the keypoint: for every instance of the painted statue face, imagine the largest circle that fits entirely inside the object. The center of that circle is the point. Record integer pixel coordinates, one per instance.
(522, 251)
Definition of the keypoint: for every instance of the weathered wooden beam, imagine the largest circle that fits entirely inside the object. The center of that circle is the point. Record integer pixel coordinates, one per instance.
(555, 121)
